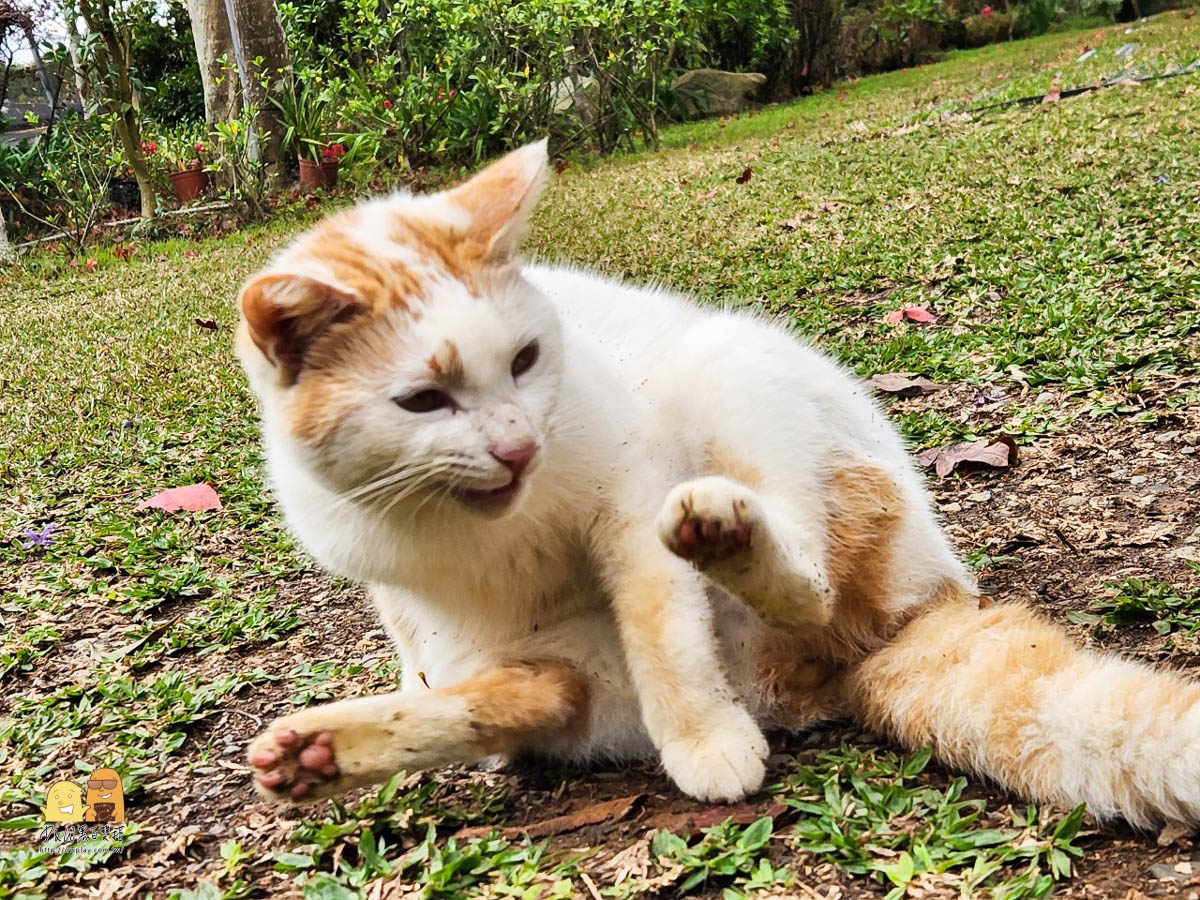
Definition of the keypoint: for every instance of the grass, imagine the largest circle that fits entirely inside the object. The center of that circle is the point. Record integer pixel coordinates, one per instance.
(1167, 608)
(1055, 243)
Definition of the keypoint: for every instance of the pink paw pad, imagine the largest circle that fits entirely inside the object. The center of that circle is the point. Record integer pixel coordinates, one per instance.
(706, 541)
(296, 763)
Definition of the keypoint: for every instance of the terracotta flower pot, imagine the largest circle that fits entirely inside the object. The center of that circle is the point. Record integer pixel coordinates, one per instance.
(190, 184)
(315, 175)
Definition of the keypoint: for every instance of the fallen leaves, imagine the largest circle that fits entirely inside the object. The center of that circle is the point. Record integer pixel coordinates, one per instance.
(709, 195)
(999, 453)
(210, 324)
(596, 814)
(903, 384)
(746, 175)
(192, 498)
(917, 314)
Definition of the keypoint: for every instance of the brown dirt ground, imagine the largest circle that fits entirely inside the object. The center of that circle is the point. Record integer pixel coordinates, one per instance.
(1100, 500)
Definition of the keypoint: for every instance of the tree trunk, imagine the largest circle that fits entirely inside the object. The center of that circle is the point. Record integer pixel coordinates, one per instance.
(7, 253)
(258, 35)
(113, 62)
(210, 31)
(43, 75)
(81, 85)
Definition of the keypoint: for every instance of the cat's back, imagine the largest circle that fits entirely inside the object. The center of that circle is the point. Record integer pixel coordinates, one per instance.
(626, 323)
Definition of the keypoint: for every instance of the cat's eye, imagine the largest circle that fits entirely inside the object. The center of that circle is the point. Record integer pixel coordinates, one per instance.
(525, 359)
(423, 401)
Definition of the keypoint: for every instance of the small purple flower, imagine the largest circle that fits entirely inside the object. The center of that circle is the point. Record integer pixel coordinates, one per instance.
(1162, 179)
(39, 538)
(983, 398)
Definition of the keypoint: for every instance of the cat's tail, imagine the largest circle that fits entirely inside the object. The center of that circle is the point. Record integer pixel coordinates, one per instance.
(1004, 693)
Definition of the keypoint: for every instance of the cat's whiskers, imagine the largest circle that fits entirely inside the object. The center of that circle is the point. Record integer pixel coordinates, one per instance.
(457, 470)
(393, 477)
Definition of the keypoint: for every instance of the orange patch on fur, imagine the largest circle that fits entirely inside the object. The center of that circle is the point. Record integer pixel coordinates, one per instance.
(718, 460)
(525, 704)
(447, 362)
(798, 689)
(865, 510)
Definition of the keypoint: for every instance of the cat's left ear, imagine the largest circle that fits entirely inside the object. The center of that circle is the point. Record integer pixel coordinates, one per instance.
(501, 198)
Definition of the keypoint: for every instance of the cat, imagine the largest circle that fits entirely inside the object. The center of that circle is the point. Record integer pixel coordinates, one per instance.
(599, 521)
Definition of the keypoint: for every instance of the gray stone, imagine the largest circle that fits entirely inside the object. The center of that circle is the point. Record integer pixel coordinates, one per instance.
(716, 93)
(576, 96)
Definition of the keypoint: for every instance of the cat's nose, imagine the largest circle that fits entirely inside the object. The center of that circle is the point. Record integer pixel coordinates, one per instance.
(515, 457)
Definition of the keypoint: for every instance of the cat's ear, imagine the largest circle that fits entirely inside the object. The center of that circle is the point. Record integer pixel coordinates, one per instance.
(285, 312)
(501, 198)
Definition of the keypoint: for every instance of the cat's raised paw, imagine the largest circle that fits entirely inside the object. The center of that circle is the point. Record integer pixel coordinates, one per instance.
(290, 765)
(709, 520)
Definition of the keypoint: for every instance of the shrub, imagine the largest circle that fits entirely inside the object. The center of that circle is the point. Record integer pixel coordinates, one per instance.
(442, 80)
(982, 29)
(1036, 16)
(892, 36)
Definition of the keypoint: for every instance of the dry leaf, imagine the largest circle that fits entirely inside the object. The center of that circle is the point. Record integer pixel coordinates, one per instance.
(596, 814)
(1053, 94)
(918, 314)
(210, 324)
(709, 195)
(906, 384)
(998, 452)
(745, 176)
(831, 206)
(193, 498)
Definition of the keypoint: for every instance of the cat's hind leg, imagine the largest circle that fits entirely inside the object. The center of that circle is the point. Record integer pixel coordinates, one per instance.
(327, 750)
(726, 530)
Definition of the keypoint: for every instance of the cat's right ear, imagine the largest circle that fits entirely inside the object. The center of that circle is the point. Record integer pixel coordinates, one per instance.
(285, 312)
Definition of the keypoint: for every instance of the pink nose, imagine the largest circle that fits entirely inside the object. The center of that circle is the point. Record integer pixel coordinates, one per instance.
(515, 457)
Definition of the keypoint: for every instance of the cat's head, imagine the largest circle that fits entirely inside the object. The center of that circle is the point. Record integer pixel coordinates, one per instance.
(399, 353)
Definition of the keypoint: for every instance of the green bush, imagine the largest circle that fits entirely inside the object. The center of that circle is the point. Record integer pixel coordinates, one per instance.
(442, 80)
(982, 30)
(896, 34)
(1036, 16)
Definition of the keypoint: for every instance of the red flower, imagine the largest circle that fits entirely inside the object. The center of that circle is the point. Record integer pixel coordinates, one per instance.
(200, 148)
(452, 93)
(986, 12)
(335, 151)
(149, 147)
(387, 104)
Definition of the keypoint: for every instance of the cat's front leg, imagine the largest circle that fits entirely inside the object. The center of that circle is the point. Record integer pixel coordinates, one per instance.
(709, 744)
(327, 750)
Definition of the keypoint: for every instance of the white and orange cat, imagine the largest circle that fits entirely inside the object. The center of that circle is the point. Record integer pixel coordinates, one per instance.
(604, 522)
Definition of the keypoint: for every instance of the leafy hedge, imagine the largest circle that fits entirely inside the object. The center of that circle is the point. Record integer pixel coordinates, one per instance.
(416, 82)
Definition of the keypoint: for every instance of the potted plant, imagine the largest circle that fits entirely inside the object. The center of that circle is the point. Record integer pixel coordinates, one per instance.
(331, 158)
(188, 177)
(303, 112)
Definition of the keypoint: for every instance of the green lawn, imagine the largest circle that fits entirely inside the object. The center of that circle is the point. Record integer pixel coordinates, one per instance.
(1056, 243)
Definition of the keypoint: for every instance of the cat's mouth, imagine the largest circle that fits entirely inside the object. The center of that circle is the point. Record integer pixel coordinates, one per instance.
(492, 500)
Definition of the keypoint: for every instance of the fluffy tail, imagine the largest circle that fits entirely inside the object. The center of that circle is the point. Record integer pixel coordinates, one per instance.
(1005, 694)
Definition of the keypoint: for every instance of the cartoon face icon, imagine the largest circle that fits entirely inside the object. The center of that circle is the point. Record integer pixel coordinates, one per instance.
(105, 801)
(64, 803)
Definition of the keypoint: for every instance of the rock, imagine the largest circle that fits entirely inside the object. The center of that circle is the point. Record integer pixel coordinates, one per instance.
(576, 96)
(715, 93)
